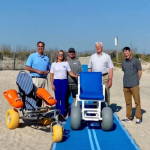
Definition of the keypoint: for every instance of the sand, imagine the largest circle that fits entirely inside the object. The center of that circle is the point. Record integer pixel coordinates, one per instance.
(29, 137)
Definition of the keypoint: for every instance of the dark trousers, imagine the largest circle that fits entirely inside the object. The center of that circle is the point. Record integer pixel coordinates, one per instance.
(128, 93)
(60, 93)
(72, 89)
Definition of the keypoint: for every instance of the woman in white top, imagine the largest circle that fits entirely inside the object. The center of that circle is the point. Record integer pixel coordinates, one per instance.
(58, 78)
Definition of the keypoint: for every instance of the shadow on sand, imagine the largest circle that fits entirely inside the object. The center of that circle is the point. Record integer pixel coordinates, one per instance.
(115, 107)
(134, 112)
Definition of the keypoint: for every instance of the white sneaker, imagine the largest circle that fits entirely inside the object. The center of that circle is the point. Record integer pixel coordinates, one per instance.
(138, 121)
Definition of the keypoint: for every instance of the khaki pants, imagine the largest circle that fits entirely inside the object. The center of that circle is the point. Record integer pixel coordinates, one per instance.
(128, 93)
(41, 83)
(107, 90)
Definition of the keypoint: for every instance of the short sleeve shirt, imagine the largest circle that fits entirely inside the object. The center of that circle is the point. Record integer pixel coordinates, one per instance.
(130, 69)
(38, 62)
(100, 63)
(60, 69)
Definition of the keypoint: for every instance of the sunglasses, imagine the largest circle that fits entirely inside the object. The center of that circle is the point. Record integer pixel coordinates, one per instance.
(60, 55)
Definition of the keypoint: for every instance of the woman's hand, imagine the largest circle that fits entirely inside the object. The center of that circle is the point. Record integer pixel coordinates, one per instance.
(53, 88)
(76, 76)
(73, 75)
(51, 79)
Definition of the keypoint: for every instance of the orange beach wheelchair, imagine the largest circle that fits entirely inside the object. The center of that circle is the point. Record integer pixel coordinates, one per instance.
(26, 100)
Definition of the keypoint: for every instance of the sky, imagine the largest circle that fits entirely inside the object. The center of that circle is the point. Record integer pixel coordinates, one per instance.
(63, 24)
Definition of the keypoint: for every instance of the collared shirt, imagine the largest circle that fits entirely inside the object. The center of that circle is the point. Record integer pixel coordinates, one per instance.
(60, 69)
(38, 62)
(76, 67)
(130, 69)
(100, 63)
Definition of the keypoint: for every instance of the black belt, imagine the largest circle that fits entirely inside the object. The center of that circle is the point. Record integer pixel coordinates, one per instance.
(39, 77)
(104, 74)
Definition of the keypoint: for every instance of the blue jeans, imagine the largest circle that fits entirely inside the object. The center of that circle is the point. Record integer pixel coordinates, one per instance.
(60, 93)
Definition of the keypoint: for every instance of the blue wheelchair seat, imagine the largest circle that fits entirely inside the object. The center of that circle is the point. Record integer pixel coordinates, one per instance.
(91, 96)
(91, 86)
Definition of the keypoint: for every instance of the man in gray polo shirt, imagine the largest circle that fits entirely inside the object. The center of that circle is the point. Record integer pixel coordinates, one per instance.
(76, 67)
(101, 62)
(132, 73)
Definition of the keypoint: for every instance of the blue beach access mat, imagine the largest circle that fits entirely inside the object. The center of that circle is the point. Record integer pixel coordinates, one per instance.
(92, 137)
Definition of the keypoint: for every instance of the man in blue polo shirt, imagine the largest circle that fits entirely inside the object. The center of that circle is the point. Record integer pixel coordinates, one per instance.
(38, 65)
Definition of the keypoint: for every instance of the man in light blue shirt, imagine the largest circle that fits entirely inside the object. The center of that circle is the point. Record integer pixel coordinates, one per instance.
(38, 65)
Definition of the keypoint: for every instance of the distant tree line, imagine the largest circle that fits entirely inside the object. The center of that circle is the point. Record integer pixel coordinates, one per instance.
(22, 53)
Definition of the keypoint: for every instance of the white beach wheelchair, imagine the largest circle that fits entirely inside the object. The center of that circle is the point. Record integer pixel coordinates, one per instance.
(91, 94)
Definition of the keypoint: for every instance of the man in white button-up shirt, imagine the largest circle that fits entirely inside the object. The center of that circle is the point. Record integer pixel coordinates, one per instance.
(101, 62)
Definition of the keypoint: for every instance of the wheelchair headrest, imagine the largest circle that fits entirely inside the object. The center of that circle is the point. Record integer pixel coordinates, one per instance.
(90, 82)
(24, 81)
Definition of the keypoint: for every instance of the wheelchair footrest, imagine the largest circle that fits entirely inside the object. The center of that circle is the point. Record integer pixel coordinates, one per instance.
(93, 112)
(91, 115)
(92, 118)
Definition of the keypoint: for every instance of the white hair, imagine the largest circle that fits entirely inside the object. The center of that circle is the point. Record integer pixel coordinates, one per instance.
(99, 43)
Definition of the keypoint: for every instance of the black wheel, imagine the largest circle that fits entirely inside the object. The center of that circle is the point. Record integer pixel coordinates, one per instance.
(107, 119)
(75, 118)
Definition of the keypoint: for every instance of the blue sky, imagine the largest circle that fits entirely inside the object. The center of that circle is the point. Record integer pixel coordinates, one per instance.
(75, 23)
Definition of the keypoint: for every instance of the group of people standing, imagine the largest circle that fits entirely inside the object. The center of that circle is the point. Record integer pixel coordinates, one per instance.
(64, 74)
